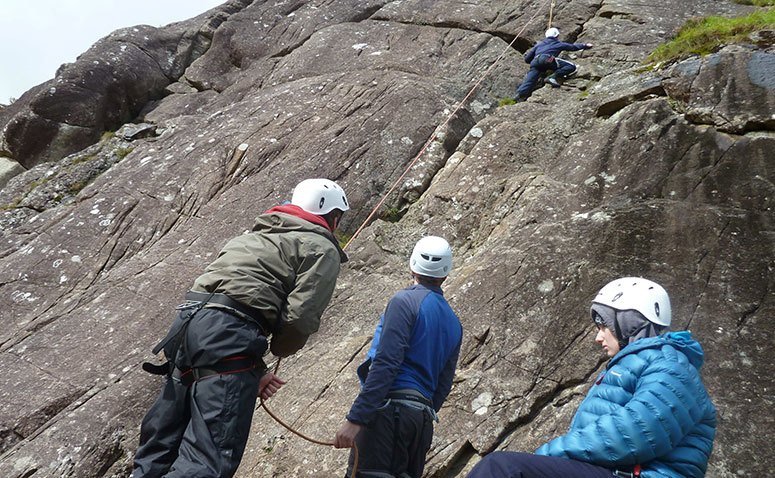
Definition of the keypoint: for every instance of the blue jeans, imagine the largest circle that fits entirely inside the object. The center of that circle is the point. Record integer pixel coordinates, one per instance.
(564, 68)
(509, 464)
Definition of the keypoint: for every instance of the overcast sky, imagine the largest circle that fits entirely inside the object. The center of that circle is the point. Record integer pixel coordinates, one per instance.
(36, 36)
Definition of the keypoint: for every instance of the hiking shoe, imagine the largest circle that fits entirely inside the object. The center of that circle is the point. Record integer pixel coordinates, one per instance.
(520, 99)
(553, 82)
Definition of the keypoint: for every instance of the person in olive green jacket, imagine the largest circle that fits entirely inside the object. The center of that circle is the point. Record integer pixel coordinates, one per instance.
(274, 282)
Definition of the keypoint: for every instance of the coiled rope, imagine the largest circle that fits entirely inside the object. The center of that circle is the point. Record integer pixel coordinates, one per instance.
(462, 102)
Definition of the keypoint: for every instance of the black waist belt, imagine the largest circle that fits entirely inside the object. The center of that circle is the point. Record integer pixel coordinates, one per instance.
(223, 299)
(412, 397)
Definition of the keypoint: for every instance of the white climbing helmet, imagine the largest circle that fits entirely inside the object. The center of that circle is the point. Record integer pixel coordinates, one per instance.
(431, 257)
(552, 33)
(319, 196)
(636, 293)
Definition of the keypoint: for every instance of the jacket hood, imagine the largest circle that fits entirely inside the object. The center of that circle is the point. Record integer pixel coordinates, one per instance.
(681, 341)
(284, 218)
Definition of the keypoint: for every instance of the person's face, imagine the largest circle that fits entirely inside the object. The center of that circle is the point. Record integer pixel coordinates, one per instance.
(607, 340)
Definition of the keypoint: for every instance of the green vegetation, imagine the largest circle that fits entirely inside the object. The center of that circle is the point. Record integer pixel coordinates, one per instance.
(76, 187)
(391, 214)
(677, 106)
(107, 135)
(38, 182)
(706, 35)
(83, 159)
(506, 102)
(122, 153)
(12, 205)
(758, 3)
(342, 238)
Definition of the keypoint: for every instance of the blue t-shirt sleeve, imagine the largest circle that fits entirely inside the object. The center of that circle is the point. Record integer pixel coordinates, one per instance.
(397, 325)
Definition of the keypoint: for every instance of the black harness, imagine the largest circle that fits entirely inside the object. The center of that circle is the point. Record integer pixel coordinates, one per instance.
(174, 339)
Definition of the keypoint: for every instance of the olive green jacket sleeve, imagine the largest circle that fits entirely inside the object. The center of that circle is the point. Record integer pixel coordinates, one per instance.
(312, 291)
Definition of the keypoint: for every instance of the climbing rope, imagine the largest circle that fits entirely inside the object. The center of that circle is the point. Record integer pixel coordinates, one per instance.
(303, 436)
(551, 14)
(446, 122)
(392, 188)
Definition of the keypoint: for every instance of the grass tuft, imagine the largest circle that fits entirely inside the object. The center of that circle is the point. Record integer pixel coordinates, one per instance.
(506, 102)
(757, 3)
(707, 35)
(122, 153)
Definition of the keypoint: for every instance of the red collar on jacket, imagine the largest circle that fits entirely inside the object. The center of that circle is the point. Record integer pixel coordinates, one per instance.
(294, 210)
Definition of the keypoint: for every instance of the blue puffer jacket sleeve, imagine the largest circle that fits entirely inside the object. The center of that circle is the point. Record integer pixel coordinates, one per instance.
(649, 408)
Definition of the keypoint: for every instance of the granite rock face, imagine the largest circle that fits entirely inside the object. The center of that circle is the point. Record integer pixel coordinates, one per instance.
(666, 174)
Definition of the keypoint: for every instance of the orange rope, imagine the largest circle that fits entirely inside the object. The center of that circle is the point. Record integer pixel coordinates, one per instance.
(310, 439)
(305, 437)
(551, 13)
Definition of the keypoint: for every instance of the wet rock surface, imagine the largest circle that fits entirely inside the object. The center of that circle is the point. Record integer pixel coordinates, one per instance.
(666, 174)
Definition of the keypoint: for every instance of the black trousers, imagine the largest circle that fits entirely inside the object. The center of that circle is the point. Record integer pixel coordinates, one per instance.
(507, 464)
(395, 443)
(200, 431)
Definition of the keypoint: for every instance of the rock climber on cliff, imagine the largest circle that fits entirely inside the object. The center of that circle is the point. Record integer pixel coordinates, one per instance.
(272, 282)
(543, 59)
(647, 414)
(408, 372)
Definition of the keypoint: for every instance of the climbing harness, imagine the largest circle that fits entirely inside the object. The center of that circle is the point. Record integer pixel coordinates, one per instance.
(545, 61)
(174, 338)
(445, 123)
(245, 311)
(227, 366)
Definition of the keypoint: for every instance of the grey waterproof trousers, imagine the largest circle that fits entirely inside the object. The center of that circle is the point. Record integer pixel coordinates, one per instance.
(200, 431)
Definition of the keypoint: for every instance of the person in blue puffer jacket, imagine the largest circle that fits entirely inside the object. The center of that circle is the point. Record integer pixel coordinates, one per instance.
(647, 414)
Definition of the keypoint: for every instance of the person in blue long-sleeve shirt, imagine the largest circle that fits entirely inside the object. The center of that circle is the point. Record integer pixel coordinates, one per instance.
(408, 372)
(543, 58)
(647, 415)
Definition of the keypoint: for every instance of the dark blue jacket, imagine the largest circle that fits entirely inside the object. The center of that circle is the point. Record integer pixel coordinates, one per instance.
(552, 47)
(416, 346)
(649, 407)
